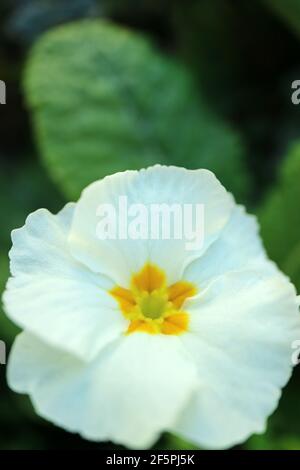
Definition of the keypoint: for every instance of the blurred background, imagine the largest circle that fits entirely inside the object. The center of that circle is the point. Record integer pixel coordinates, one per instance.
(97, 86)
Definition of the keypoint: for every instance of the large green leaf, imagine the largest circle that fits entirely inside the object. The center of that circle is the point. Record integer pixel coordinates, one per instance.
(104, 100)
(280, 216)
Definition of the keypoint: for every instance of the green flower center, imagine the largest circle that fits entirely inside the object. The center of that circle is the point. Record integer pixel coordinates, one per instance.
(153, 305)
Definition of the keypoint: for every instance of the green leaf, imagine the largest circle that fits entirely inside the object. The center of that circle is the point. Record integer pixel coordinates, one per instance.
(283, 426)
(8, 330)
(269, 442)
(173, 442)
(280, 217)
(104, 100)
(289, 10)
(280, 214)
(24, 189)
(291, 265)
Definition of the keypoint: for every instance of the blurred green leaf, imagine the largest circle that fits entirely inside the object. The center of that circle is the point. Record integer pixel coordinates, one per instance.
(283, 426)
(104, 100)
(8, 330)
(291, 264)
(173, 442)
(24, 188)
(280, 214)
(269, 442)
(289, 10)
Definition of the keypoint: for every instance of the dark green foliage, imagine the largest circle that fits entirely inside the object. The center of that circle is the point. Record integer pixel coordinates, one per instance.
(288, 10)
(28, 19)
(280, 214)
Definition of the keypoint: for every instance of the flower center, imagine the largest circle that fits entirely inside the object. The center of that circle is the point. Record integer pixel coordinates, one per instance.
(151, 306)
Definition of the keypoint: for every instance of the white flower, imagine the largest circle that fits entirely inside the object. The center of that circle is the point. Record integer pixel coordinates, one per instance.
(124, 339)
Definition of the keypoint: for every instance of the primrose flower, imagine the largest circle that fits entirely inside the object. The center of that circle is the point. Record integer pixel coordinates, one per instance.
(128, 336)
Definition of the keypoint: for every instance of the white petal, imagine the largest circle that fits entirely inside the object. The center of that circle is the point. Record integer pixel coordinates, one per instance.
(132, 392)
(52, 295)
(156, 185)
(238, 246)
(242, 330)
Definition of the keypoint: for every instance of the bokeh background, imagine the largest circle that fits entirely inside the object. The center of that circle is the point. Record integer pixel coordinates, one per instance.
(96, 86)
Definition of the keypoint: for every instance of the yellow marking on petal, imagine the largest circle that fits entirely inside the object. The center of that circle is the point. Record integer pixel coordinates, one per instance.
(179, 292)
(124, 297)
(149, 278)
(142, 326)
(152, 307)
(175, 324)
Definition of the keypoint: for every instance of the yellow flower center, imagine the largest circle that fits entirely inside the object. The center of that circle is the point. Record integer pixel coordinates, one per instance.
(151, 306)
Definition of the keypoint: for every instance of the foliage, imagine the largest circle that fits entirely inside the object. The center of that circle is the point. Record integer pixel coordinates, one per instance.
(289, 10)
(103, 100)
(280, 216)
(30, 18)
